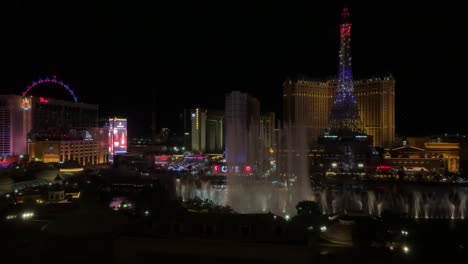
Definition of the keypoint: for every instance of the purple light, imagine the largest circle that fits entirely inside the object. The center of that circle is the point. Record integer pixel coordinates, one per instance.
(54, 81)
(345, 114)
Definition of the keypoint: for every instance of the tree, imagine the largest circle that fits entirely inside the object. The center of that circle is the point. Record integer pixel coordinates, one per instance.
(308, 220)
(307, 208)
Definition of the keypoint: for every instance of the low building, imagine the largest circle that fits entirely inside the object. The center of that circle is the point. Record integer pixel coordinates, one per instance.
(435, 157)
(21, 115)
(80, 146)
(448, 153)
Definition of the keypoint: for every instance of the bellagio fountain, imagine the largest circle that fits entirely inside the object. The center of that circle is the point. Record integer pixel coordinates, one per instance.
(276, 180)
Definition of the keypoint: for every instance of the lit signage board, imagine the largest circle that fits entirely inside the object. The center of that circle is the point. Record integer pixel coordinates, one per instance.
(26, 103)
(117, 137)
(43, 100)
(235, 169)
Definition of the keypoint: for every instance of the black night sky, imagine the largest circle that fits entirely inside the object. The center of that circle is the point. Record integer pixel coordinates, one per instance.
(115, 54)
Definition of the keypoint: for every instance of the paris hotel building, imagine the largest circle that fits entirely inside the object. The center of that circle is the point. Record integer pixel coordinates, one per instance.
(309, 102)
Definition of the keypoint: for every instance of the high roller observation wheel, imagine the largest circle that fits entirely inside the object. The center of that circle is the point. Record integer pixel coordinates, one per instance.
(52, 80)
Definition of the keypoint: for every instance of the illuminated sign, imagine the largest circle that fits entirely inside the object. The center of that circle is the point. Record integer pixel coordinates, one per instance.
(236, 169)
(383, 167)
(88, 136)
(43, 100)
(162, 158)
(216, 169)
(117, 137)
(223, 168)
(26, 104)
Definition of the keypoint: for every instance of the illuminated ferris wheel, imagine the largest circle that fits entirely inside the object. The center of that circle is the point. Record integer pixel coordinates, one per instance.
(52, 81)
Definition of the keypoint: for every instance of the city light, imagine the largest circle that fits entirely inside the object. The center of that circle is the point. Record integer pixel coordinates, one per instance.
(27, 215)
(235, 167)
(71, 170)
(10, 217)
(406, 249)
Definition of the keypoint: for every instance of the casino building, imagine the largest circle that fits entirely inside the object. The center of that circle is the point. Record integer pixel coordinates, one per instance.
(23, 117)
(53, 130)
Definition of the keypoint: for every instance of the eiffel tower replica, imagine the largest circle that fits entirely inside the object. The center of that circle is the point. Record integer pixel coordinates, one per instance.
(345, 144)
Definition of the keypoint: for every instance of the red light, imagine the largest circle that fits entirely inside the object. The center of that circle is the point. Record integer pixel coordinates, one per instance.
(248, 170)
(216, 169)
(345, 15)
(345, 30)
(43, 100)
(162, 158)
(384, 167)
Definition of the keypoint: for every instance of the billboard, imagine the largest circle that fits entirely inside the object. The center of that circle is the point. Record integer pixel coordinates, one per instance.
(117, 137)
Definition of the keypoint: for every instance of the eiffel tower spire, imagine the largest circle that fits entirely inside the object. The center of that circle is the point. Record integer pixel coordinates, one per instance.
(344, 118)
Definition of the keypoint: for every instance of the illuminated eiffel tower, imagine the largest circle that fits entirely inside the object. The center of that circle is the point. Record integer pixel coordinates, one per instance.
(347, 148)
(344, 118)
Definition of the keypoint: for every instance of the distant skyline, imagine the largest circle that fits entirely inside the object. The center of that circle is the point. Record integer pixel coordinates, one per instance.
(211, 49)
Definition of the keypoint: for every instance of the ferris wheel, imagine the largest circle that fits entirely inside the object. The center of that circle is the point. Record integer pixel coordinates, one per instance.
(48, 81)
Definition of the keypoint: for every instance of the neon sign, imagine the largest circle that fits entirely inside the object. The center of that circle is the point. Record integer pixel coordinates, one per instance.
(216, 169)
(43, 100)
(223, 168)
(236, 169)
(26, 104)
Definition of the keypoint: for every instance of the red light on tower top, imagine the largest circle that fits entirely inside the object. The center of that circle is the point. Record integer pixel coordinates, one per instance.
(345, 27)
(345, 19)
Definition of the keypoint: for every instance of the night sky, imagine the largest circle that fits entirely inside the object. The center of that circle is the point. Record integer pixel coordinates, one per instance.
(115, 54)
